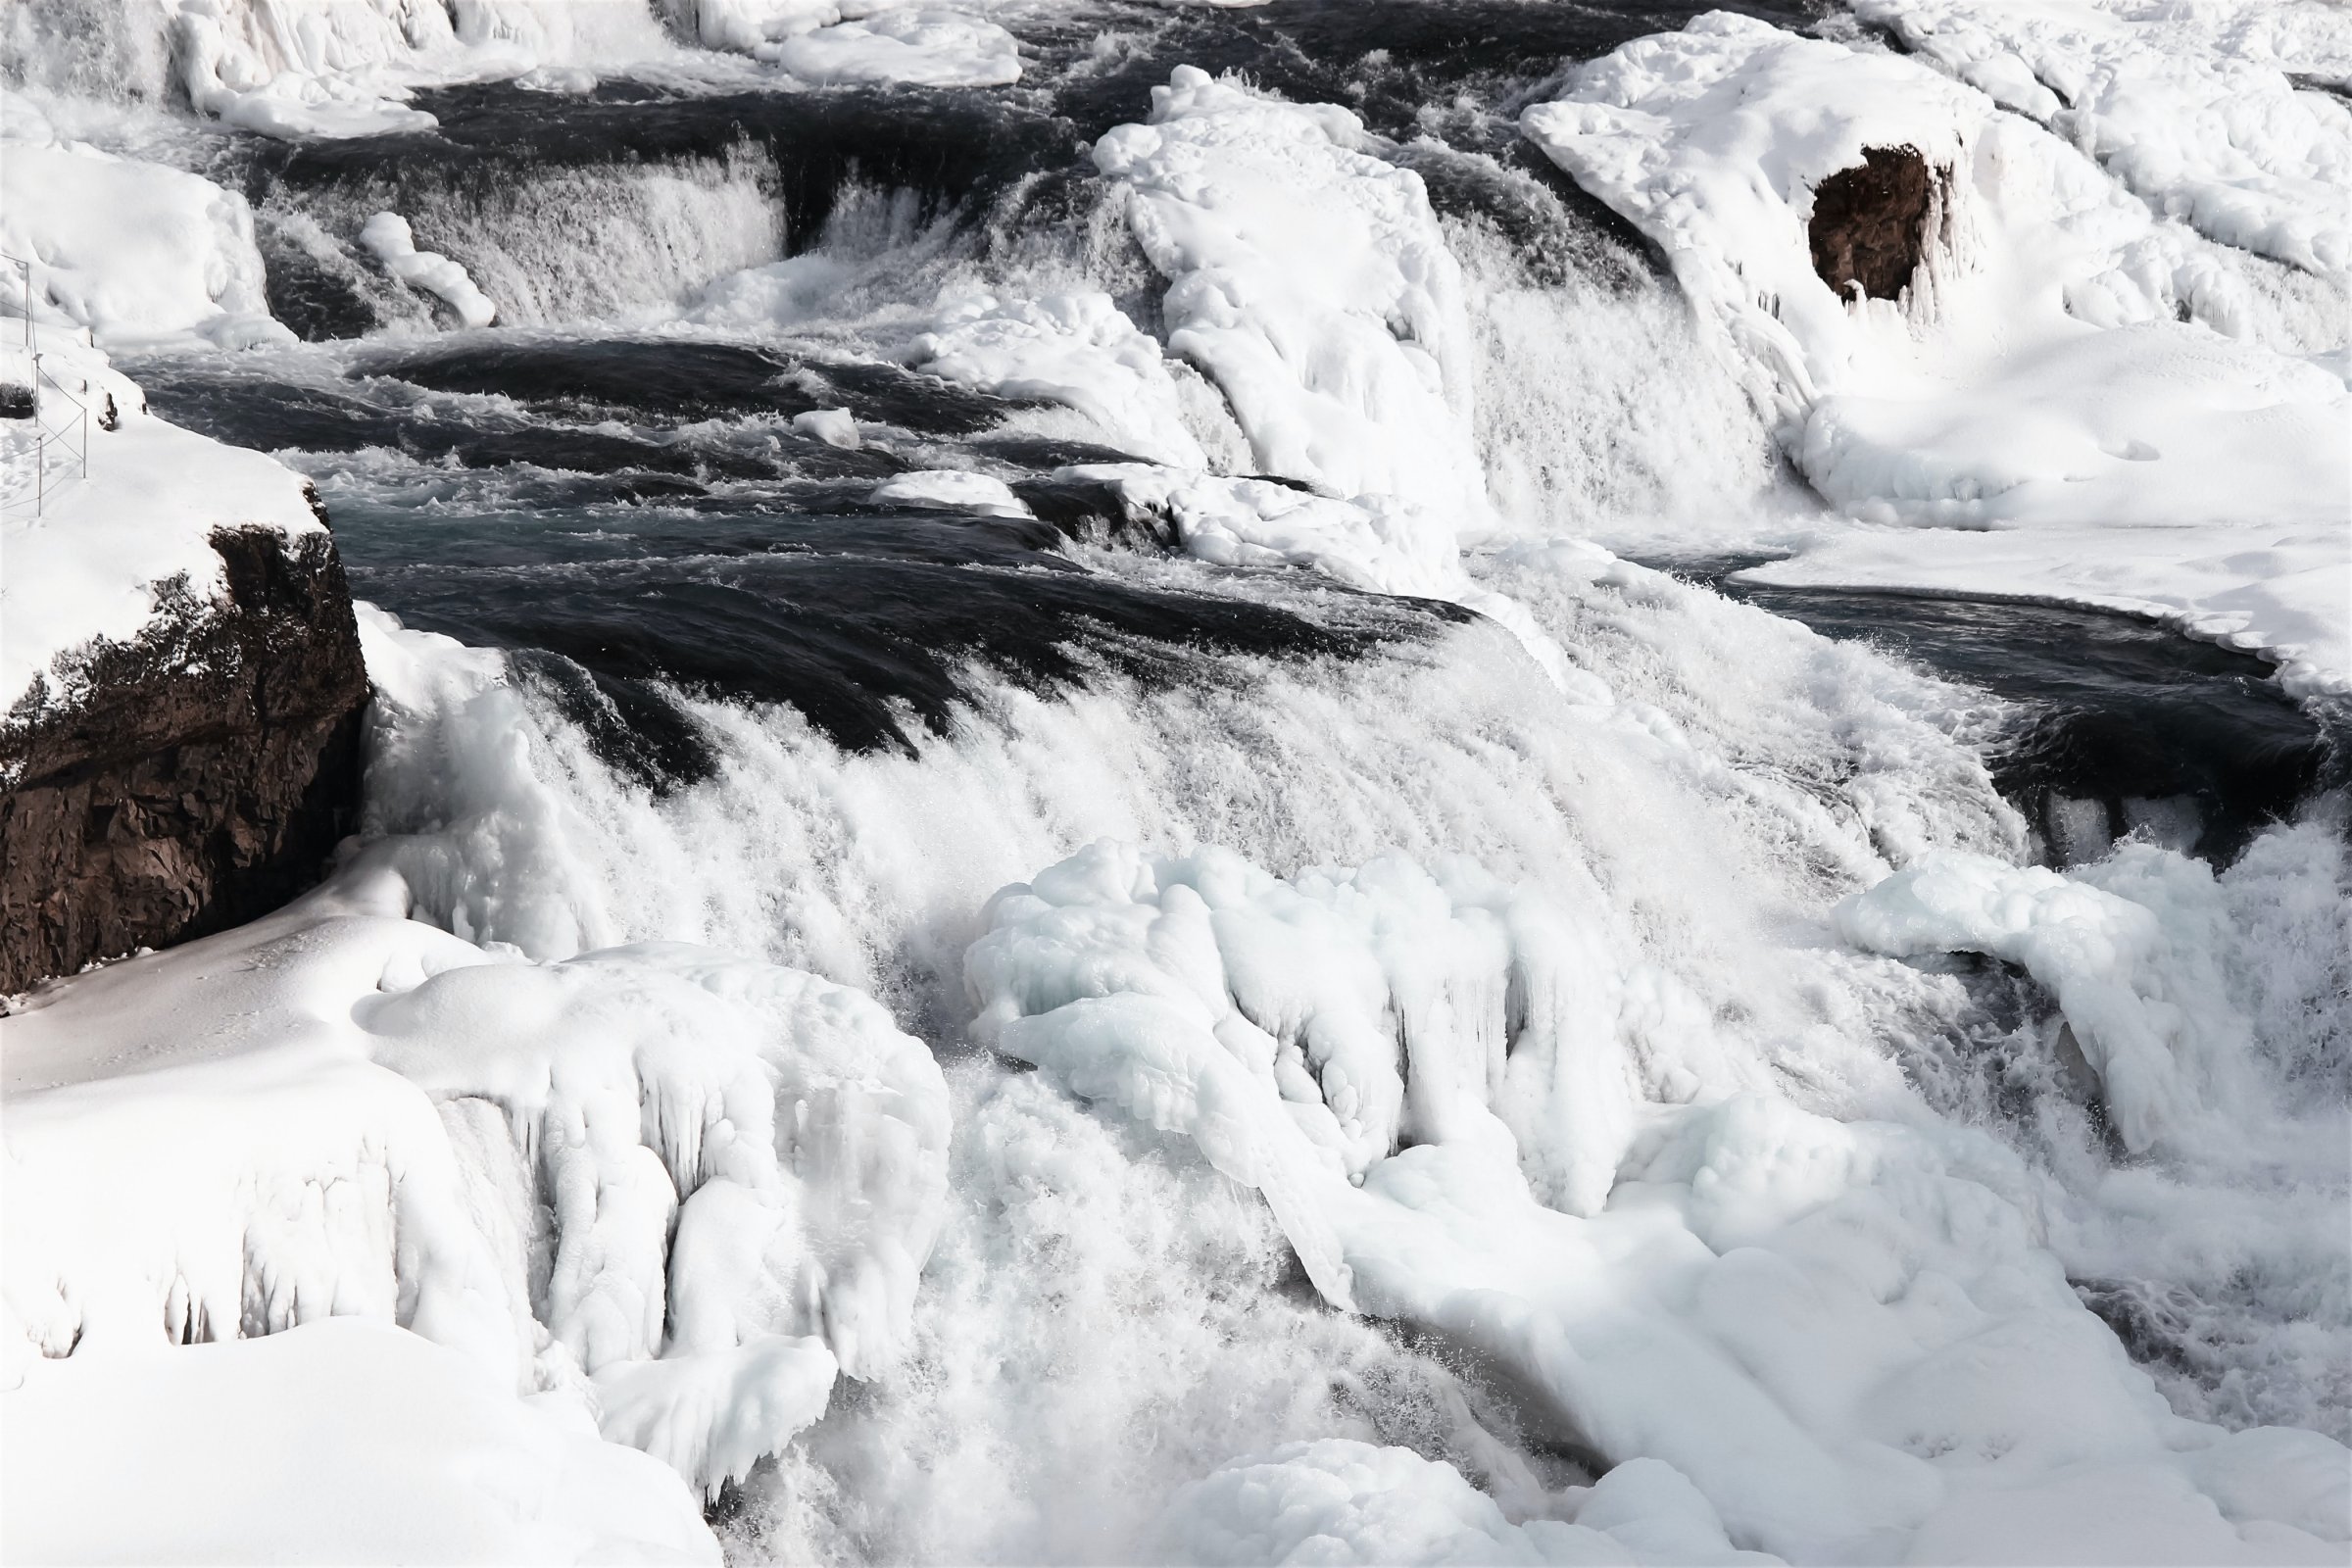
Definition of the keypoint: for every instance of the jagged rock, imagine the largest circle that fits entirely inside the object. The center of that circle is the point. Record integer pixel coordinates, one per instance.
(1870, 222)
(188, 780)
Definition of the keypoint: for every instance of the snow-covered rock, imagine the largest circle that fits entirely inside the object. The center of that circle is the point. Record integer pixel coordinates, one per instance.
(1310, 279)
(2066, 361)
(2190, 105)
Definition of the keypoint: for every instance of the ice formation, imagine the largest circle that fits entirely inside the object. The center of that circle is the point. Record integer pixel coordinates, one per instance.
(1578, 1003)
(655, 1184)
(1076, 349)
(2033, 376)
(388, 238)
(1308, 278)
(955, 489)
(1450, 1139)
(135, 252)
(2190, 105)
(1376, 542)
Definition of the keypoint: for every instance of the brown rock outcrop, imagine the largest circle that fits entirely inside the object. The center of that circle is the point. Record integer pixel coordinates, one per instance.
(191, 779)
(1870, 223)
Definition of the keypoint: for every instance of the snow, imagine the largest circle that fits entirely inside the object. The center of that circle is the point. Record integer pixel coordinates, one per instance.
(2135, 979)
(1847, 1334)
(103, 555)
(1311, 280)
(235, 1457)
(950, 490)
(136, 252)
(1342, 1502)
(835, 427)
(918, 47)
(2033, 378)
(2190, 105)
(388, 238)
(659, 1183)
(327, 70)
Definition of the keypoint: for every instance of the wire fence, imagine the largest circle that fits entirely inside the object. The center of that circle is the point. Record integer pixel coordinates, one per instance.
(67, 439)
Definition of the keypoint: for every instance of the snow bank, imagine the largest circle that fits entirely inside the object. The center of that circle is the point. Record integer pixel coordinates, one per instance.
(2189, 105)
(2037, 374)
(656, 1184)
(341, 1440)
(388, 238)
(1077, 349)
(106, 554)
(1847, 1335)
(135, 252)
(1311, 280)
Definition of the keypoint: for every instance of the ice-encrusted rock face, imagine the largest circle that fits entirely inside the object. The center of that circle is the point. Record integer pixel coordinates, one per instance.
(190, 778)
(1870, 223)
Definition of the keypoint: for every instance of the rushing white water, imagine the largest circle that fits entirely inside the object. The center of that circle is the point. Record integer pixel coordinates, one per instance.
(1736, 891)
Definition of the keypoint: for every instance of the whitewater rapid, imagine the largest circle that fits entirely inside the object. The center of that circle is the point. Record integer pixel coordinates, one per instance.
(1042, 879)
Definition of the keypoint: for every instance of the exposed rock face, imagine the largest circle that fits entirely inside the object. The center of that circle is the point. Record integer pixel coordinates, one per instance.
(1870, 222)
(189, 780)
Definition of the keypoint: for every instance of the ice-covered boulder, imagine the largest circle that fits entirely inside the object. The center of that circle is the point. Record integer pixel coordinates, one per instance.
(2066, 358)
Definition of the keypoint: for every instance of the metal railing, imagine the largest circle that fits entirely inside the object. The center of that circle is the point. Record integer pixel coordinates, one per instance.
(72, 436)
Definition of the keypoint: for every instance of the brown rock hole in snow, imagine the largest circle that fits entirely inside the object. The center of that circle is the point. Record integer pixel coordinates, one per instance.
(1870, 222)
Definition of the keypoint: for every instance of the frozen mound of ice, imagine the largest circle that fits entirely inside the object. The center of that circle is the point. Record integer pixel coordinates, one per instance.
(952, 490)
(321, 68)
(1848, 1336)
(2191, 106)
(840, 42)
(657, 1184)
(2134, 966)
(2036, 374)
(389, 239)
(1376, 542)
(1077, 349)
(1311, 280)
(919, 48)
(135, 252)
(1339, 1502)
(344, 1439)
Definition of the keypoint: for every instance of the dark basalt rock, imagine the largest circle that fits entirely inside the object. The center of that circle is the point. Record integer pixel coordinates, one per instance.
(191, 779)
(1870, 223)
